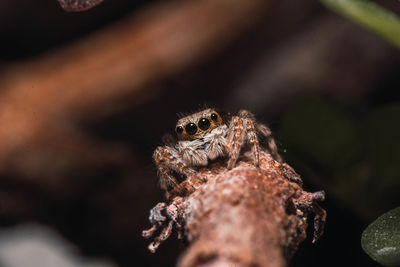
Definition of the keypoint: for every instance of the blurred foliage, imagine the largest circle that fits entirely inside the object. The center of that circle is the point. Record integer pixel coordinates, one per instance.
(322, 132)
(372, 16)
(381, 239)
(352, 154)
(383, 131)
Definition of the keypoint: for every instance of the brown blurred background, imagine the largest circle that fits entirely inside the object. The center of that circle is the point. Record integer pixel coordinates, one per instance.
(85, 98)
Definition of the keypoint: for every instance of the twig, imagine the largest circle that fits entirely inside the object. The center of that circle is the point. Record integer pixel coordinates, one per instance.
(246, 216)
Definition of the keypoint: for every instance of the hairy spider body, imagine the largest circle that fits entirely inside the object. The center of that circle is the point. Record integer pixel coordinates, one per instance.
(197, 152)
(204, 137)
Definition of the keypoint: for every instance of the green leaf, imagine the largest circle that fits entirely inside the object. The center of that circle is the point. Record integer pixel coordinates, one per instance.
(381, 239)
(372, 16)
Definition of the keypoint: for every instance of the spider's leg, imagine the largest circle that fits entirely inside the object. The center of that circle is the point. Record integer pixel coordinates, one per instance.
(231, 133)
(188, 186)
(308, 203)
(253, 140)
(166, 179)
(193, 156)
(165, 217)
(165, 233)
(156, 218)
(235, 139)
(168, 158)
(249, 121)
(273, 149)
(217, 147)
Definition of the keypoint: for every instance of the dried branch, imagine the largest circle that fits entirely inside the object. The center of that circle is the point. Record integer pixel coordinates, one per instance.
(246, 216)
(78, 5)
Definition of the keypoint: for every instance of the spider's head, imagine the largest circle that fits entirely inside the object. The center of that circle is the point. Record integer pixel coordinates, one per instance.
(197, 125)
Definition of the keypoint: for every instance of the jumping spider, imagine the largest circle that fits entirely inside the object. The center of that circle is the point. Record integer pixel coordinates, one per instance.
(204, 136)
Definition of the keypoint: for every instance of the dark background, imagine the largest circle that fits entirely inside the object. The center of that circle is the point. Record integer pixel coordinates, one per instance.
(327, 87)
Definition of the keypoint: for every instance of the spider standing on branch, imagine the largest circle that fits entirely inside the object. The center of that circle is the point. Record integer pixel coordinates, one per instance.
(203, 137)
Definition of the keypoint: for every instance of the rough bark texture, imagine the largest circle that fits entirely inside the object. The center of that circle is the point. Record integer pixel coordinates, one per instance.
(246, 216)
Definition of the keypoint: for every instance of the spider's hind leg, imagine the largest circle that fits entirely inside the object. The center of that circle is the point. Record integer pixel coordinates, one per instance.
(273, 149)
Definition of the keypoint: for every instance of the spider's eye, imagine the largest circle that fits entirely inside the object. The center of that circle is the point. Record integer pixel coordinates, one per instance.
(179, 129)
(204, 124)
(214, 117)
(191, 128)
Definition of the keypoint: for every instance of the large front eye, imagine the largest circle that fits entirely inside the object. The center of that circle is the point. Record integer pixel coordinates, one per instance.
(204, 124)
(191, 128)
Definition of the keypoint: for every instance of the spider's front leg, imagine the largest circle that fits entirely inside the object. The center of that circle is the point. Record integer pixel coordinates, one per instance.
(167, 159)
(241, 129)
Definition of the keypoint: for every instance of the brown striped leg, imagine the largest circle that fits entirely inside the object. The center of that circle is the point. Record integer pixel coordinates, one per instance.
(235, 139)
(273, 149)
(168, 158)
(253, 140)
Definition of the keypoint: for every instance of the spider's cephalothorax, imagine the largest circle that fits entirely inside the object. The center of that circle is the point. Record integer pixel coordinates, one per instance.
(205, 136)
(198, 125)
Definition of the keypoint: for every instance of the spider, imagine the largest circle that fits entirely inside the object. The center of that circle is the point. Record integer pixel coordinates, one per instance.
(205, 136)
